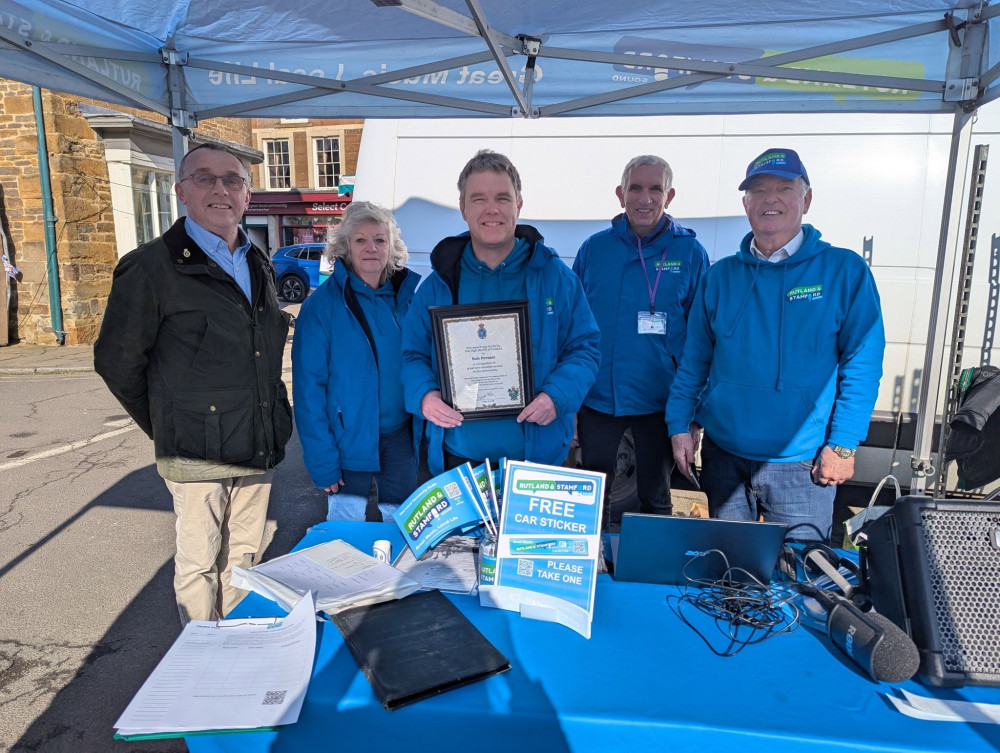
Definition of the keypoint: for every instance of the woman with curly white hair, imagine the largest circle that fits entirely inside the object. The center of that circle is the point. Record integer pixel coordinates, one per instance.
(346, 359)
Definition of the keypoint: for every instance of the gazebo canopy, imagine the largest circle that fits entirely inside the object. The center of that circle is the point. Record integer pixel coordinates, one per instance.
(450, 58)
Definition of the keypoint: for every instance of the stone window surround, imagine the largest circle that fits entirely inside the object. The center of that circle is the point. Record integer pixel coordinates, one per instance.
(132, 141)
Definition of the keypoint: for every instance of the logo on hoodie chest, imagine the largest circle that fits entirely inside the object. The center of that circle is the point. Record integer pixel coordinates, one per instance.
(673, 266)
(805, 293)
(550, 307)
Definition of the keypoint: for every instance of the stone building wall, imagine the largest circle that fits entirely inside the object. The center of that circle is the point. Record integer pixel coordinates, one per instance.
(84, 230)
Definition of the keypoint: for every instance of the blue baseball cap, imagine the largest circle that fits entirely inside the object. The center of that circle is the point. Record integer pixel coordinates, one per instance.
(784, 163)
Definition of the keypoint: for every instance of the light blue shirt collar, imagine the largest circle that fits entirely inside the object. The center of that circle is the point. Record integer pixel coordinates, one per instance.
(782, 253)
(233, 264)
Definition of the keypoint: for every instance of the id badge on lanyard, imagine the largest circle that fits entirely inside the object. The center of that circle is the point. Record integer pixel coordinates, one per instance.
(652, 323)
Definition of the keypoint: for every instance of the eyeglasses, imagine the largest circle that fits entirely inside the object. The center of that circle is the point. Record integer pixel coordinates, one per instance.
(207, 181)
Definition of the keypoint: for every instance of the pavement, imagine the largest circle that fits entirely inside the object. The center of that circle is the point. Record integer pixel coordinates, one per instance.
(23, 359)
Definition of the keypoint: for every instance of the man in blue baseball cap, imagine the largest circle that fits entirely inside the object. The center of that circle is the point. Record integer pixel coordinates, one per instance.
(781, 365)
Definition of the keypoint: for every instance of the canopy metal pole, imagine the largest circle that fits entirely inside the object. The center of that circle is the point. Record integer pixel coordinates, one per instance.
(180, 147)
(921, 462)
(181, 120)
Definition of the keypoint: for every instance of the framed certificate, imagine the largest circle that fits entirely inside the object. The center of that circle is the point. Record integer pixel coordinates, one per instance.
(484, 357)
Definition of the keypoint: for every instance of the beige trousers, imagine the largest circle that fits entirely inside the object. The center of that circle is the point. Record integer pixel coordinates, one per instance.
(220, 524)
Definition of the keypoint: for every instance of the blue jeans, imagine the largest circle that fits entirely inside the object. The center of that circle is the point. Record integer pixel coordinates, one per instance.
(393, 483)
(741, 489)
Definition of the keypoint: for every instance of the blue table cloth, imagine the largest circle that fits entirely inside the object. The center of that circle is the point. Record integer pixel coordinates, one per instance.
(644, 681)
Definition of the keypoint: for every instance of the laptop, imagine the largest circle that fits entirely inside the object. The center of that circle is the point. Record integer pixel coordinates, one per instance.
(664, 549)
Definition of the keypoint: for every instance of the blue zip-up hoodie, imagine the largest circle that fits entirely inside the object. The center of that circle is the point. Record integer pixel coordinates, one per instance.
(791, 353)
(636, 370)
(335, 376)
(564, 343)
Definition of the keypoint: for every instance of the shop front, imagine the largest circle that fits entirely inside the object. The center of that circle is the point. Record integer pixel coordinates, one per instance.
(285, 218)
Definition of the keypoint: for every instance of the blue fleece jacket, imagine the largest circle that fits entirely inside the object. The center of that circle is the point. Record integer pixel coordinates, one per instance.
(782, 358)
(564, 342)
(636, 370)
(345, 364)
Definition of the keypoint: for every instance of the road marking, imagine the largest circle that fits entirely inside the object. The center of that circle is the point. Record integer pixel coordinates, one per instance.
(65, 448)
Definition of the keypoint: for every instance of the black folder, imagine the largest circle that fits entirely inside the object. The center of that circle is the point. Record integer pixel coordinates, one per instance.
(417, 647)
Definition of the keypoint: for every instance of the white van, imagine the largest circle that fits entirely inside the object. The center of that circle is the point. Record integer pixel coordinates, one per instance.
(878, 183)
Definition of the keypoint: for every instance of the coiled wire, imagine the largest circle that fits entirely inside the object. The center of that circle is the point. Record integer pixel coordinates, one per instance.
(745, 611)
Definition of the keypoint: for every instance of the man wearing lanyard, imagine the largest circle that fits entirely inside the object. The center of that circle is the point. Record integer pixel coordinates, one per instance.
(640, 277)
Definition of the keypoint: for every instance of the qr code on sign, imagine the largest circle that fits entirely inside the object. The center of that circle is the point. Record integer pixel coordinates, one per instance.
(579, 547)
(452, 490)
(274, 697)
(525, 567)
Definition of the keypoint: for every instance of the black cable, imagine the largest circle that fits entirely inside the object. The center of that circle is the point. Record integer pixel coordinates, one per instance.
(745, 610)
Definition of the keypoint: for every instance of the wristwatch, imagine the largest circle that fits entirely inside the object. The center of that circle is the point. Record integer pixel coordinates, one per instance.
(843, 452)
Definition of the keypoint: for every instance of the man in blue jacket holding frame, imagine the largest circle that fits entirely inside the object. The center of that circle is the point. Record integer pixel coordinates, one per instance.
(782, 363)
(499, 260)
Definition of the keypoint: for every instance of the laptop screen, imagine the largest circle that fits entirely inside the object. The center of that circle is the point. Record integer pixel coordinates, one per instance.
(674, 551)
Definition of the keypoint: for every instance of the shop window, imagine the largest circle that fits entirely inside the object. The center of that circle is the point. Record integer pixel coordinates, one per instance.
(327, 162)
(297, 229)
(152, 197)
(279, 169)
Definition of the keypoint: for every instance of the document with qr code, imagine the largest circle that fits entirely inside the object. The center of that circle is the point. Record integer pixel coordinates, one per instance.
(549, 544)
(227, 675)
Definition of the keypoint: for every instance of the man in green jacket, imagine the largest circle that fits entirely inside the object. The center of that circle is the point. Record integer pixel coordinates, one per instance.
(191, 346)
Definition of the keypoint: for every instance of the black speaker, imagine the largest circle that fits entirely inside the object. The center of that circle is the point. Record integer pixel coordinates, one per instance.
(934, 569)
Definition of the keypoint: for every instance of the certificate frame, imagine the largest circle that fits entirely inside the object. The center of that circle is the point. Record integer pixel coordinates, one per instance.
(483, 379)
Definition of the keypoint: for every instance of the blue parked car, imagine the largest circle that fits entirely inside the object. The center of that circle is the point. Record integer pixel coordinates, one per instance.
(296, 270)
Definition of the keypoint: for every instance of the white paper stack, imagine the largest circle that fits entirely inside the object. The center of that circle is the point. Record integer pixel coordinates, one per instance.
(339, 575)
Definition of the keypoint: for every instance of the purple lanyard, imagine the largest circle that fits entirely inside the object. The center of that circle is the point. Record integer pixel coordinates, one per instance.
(659, 268)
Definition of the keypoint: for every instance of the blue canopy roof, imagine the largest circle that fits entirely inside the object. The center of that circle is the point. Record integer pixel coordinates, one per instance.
(426, 58)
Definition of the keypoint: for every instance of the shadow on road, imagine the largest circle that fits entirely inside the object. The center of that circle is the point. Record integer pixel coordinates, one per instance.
(81, 716)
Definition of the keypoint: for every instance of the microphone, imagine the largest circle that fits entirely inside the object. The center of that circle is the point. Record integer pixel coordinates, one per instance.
(870, 640)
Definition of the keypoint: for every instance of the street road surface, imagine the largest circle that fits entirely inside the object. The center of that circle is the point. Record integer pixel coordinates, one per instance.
(86, 549)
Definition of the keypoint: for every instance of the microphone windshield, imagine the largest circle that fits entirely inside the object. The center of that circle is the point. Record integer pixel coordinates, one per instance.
(895, 658)
(871, 640)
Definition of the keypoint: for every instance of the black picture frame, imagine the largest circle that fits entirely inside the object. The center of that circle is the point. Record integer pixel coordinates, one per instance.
(471, 370)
